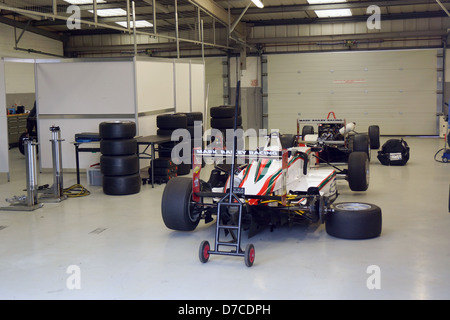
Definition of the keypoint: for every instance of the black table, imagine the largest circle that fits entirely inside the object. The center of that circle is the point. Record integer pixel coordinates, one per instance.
(93, 146)
(150, 141)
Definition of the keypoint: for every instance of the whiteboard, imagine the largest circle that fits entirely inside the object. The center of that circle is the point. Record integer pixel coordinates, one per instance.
(86, 87)
(154, 85)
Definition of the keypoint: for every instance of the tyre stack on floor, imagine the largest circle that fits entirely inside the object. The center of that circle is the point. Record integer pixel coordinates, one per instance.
(167, 123)
(119, 162)
(222, 118)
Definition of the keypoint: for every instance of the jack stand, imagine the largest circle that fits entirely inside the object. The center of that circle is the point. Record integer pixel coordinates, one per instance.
(56, 192)
(30, 201)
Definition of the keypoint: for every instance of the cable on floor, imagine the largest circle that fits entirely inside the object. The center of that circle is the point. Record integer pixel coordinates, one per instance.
(76, 190)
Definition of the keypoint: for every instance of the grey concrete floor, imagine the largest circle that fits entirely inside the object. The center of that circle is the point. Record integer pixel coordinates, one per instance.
(117, 247)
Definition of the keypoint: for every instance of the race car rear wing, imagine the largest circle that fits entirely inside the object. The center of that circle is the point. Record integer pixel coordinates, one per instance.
(219, 154)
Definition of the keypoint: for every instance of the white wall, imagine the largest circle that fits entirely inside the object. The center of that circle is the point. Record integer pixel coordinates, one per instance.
(393, 89)
(4, 157)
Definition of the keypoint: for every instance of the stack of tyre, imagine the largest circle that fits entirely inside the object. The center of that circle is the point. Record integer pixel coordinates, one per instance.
(167, 124)
(222, 118)
(163, 170)
(119, 161)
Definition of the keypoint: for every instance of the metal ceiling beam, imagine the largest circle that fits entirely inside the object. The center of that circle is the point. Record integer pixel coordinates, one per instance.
(360, 18)
(32, 29)
(329, 6)
(358, 36)
(213, 9)
(443, 7)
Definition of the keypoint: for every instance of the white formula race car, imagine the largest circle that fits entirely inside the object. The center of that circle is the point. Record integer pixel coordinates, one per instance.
(274, 187)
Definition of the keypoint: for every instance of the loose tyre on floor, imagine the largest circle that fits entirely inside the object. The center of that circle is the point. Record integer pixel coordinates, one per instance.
(177, 211)
(354, 220)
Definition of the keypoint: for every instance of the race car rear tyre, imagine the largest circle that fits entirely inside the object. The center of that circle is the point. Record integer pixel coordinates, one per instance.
(358, 171)
(203, 252)
(374, 137)
(353, 220)
(176, 206)
(361, 143)
(307, 130)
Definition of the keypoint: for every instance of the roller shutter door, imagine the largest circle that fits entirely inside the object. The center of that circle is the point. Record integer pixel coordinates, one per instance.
(393, 89)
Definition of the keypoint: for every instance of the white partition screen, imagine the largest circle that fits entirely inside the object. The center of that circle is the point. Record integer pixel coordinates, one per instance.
(77, 96)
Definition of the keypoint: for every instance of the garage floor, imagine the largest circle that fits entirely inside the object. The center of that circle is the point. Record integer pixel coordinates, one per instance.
(120, 248)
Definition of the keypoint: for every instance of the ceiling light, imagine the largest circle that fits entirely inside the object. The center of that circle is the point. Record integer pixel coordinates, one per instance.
(78, 2)
(110, 12)
(333, 13)
(325, 1)
(258, 3)
(139, 24)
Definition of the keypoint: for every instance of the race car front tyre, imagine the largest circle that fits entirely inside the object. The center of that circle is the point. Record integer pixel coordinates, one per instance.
(176, 206)
(374, 137)
(358, 171)
(353, 220)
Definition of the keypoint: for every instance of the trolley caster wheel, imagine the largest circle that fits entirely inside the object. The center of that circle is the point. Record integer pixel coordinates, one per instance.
(249, 256)
(203, 252)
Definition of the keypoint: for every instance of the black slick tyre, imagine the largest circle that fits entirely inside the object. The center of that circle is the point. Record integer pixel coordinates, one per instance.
(171, 121)
(122, 185)
(374, 137)
(353, 220)
(361, 144)
(358, 171)
(223, 111)
(307, 130)
(176, 206)
(118, 147)
(119, 165)
(117, 130)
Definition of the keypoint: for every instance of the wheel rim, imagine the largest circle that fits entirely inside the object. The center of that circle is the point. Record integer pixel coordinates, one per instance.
(367, 172)
(352, 206)
(206, 251)
(192, 214)
(251, 255)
